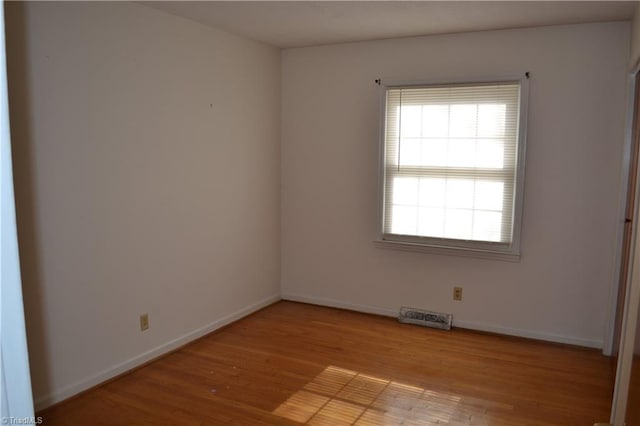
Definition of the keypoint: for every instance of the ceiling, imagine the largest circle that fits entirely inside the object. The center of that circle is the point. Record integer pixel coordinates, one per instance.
(289, 24)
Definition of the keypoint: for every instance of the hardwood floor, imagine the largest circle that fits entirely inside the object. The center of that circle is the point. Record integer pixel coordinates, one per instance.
(633, 407)
(293, 363)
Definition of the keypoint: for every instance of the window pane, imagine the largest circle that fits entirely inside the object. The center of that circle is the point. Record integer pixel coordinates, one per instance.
(432, 192)
(489, 195)
(405, 191)
(490, 154)
(434, 152)
(462, 121)
(410, 152)
(435, 120)
(459, 193)
(404, 220)
(487, 226)
(410, 121)
(458, 224)
(462, 153)
(491, 120)
(431, 222)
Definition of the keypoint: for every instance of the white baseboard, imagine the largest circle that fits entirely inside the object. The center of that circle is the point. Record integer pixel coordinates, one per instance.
(322, 301)
(530, 334)
(472, 325)
(68, 391)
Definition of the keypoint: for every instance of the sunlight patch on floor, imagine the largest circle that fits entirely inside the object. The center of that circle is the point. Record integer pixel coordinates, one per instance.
(338, 396)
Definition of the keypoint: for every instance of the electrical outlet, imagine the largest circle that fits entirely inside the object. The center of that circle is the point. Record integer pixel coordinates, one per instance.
(457, 293)
(144, 322)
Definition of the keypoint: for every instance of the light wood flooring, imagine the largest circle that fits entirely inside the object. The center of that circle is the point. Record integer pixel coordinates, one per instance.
(293, 363)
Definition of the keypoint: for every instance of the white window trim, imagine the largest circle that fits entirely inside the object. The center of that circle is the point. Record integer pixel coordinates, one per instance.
(514, 254)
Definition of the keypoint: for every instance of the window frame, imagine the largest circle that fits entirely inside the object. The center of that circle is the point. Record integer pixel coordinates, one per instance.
(481, 249)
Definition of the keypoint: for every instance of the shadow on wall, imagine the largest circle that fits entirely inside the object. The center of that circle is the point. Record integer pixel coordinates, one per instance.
(24, 181)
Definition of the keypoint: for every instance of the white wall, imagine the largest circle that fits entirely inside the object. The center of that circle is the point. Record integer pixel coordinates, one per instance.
(560, 288)
(147, 180)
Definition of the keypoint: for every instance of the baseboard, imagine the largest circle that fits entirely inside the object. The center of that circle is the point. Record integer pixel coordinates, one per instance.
(332, 303)
(472, 325)
(45, 401)
(529, 334)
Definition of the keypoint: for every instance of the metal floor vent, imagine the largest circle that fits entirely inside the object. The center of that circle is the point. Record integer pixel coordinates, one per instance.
(425, 318)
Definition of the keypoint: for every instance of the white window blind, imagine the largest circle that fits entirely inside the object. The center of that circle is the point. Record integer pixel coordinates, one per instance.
(451, 165)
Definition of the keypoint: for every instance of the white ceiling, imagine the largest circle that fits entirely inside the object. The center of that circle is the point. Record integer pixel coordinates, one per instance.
(307, 23)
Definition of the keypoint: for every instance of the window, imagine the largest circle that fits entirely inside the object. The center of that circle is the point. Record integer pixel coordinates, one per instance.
(453, 164)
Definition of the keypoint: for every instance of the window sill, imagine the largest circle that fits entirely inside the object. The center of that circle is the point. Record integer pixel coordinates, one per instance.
(448, 251)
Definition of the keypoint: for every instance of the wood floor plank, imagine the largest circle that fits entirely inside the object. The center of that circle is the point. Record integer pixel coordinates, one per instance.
(294, 363)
